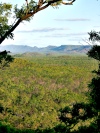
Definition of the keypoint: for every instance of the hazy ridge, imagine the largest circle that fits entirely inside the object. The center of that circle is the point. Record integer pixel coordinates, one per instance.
(66, 49)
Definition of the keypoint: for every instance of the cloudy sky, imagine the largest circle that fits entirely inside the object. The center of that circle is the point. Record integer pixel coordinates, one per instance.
(62, 26)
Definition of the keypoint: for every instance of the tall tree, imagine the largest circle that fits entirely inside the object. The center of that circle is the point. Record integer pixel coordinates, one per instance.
(26, 12)
(5, 12)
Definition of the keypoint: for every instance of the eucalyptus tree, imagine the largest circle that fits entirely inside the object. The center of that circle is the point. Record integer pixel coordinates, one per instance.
(25, 13)
(5, 12)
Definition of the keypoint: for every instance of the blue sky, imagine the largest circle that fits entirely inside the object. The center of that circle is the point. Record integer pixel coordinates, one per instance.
(63, 26)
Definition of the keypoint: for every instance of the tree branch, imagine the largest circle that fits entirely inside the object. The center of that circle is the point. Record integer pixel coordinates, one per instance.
(45, 6)
(36, 9)
(68, 3)
(9, 31)
(40, 3)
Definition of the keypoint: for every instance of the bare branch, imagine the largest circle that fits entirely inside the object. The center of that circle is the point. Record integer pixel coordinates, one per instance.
(53, 1)
(86, 41)
(68, 3)
(40, 3)
(27, 16)
(43, 7)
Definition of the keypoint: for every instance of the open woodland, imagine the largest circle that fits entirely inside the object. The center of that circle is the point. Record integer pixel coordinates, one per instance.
(47, 93)
(34, 89)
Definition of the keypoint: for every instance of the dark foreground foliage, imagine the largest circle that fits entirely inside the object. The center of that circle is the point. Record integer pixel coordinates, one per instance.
(5, 59)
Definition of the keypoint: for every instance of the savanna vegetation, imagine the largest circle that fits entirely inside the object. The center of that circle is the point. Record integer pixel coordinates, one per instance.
(34, 91)
(47, 94)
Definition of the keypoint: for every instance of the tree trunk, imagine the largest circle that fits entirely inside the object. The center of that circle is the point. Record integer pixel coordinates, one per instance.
(10, 31)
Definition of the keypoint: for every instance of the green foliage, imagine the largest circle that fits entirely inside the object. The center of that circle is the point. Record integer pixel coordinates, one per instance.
(24, 10)
(5, 59)
(94, 52)
(33, 91)
(5, 12)
(5, 9)
(95, 92)
(95, 83)
(94, 36)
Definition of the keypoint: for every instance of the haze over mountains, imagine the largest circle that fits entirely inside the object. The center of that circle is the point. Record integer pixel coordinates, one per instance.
(64, 49)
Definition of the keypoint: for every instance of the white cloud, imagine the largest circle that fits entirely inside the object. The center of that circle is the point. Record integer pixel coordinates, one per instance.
(73, 19)
(48, 29)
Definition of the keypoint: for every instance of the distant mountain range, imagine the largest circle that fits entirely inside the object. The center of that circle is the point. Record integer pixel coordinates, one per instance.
(63, 49)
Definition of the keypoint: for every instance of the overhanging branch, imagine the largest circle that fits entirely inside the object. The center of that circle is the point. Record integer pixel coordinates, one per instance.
(41, 7)
(68, 3)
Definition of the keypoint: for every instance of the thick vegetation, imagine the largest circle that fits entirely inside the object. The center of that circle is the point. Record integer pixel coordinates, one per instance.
(33, 92)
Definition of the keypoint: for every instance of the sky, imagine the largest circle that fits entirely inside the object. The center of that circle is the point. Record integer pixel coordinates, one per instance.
(66, 25)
